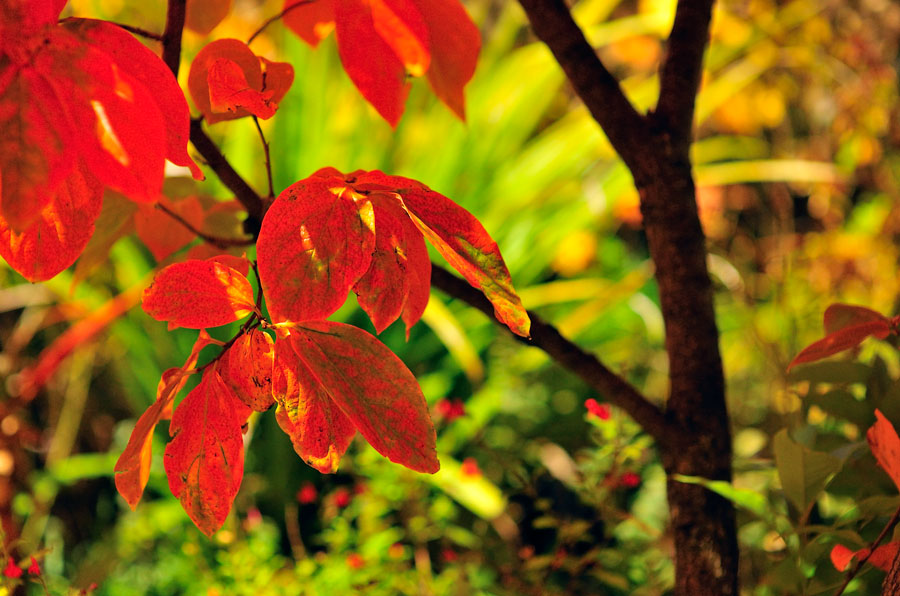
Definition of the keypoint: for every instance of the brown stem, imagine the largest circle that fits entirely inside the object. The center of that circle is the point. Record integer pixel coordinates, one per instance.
(277, 17)
(862, 561)
(171, 38)
(265, 146)
(547, 338)
(222, 243)
(138, 31)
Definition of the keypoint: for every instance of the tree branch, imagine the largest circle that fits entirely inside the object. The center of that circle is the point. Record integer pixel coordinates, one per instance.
(681, 72)
(595, 85)
(571, 357)
(171, 38)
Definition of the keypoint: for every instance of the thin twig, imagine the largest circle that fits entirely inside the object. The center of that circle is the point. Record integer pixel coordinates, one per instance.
(884, 532)
(171, 38)
(138, 31)
(222, 243)
(280, 15)
(265, 145)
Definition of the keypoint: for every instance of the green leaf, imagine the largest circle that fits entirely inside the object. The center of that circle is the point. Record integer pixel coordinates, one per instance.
(804, 473)
(742, 497)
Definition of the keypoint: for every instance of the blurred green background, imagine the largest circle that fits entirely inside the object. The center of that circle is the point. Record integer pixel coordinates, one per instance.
(796, 160)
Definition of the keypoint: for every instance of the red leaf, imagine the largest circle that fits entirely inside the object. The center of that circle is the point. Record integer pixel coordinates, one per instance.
(163, 235)
(455, 43)
(885, 446)
(883, 557)
(205, 458)
(148, 70)
(319, 431)
(372, 387)
(198, 294)
(312, 21)
(369, 60)
(401, 26)
(839, 316)
(61, 232)
(398, 279)
(202, 16)
(229, 91)
(133, 466)
(247, 369)
(842, 339)
(315, 243)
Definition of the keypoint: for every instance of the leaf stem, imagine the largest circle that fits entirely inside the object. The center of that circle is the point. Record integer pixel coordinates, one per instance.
(265, 145)
(171, 38)
(222, 243)
(884, 532)
(279, 16)
(138, 31)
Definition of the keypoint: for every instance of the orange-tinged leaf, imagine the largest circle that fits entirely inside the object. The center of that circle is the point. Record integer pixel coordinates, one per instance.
(133, 466)
(316, 241)
(372, 387)
(455, 43)
(842, 339)
(885, 446)
(839, 316)
(115, 221)
(398, 279)
(311, 20)
(883, 557)
(369, 60)
(202, 16)
(205, 458)
(319, 431)
(229, 91)
(277, 78)
(198, 294)
(162, 234)
(63, 229)
(400, 24)
(149, 71)
(247, 369)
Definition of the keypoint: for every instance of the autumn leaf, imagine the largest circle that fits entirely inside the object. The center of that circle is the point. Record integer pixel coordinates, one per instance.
(227, 81)
(885, 446)
(372, 387)
(319, 431)
(202, 16)
(65, 225)
(316, 241)
(247, 369)
(846, 327)
(204, 461)
(133, 466)
(160, 233)
(882, 557)
(380, 42)
(198, 294)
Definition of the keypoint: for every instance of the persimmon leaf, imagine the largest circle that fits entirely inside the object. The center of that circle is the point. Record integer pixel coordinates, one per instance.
(160, 233)
(202, 16)
(277, 79)
(247, 369)
(882, 557)
(133, 466)
(314, 244)
(885, 446)
(229, 91)
(400, 24)
(198, 78)
(842, 339)
(319, 431)
(204, 461)
(372, 387)
(840, 316)
(455, 43)
(369, 60)
(54, 241)
(312, 21)
(198, 294)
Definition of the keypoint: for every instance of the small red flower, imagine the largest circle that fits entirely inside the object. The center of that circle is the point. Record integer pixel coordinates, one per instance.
(470, 467)
(342, 497)
(597, 409)
(355, 561)
(450, 409)
(12, 570)
(449, 555)
(630, 480)
(34, 568)
(307, 494)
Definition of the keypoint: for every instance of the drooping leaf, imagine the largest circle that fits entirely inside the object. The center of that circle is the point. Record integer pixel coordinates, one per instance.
(885, 446)
(883, 557)
(313, 246)
(133, 466)
(198, 294)
(455, 43)
(842, 339)
(53, 242)
(311, 20)
(247, 369)
(369, 60)
(162, 234)
(202, 16)
(372, 387)
(204, 461)
(229, 91)
(319, 431)
(804, 473)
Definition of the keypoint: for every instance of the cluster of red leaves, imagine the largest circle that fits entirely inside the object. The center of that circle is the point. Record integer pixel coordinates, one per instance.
(83, 106)
(381, 42)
